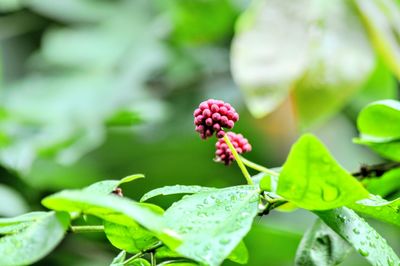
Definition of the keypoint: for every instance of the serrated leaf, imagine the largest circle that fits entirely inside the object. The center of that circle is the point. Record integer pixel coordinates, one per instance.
(320, 246)
(378, 208)
(364, 239)
(113, 209)
(129, 235)
(107, 186)
(213, 223)
(40, 234)
(177, 189)
(312, 179)
(382, 17)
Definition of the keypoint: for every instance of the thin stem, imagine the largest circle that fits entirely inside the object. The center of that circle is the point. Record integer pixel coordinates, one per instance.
(376, 170)
(238, 160)
(86, 228)
(152, 259)
(144, 251)
(258, 167)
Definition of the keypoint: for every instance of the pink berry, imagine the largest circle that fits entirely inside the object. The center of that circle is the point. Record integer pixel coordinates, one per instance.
(223, 153)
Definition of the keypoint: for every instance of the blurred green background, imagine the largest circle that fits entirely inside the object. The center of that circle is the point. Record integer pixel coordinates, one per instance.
(103, 89)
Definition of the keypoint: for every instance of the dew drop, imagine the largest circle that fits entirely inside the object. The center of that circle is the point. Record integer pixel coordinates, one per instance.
(330, 193)
(363, 252)
(224, 241)
(356, 231)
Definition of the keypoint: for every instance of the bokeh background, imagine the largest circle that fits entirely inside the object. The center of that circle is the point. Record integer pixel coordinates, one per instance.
(94, 90)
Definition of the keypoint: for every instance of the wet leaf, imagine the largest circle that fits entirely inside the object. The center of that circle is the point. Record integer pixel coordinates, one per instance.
(107, 186)
(213, 223)
(312, 179)
(364, 239)
(177, 189)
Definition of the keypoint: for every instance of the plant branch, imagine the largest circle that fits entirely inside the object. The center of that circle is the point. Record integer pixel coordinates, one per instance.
(238, 160)
(144, 251)
(86, 228)
(258, 167)
(376, 170)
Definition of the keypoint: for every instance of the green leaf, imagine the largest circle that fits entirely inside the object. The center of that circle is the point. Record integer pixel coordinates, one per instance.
(107, 186)
(177, 189)
(12, 203)
(312, 179)
(378, 208)
(40, 234)
(320, 246)
(113, 209)
(240, 254)
(379, 128)
(360, 235)
(119, 259)
(138, 262)
(213, 223)
(388, 183)
(129, 235)
(382, 17)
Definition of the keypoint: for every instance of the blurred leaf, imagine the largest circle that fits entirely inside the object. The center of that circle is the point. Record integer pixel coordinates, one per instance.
(199, 21)
(380, 85)
(28, 245)
(177, 189)
(379, 126)
(269, 51)
(129, 235)
(240, 254)
(113, 209)
(319, 48)
(382, 18)
(378, 208)
(107, 186)
(312, 179)
(213, 223)
(12, 203)
(386, 184)
(10, 5)
(119, 259)
(341, 59)
(138, 262)
(72, 10)
(320, 246)
(360, 235)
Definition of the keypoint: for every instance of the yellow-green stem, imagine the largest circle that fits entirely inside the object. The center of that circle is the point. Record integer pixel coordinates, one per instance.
(258, 167)
(238, 160)
(86, 228)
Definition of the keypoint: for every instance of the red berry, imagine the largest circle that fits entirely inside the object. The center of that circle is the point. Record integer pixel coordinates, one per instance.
(212, 116)
(223, 153)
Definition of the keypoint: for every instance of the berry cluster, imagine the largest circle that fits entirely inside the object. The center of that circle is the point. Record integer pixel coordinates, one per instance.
(224, 154)
(212, 116)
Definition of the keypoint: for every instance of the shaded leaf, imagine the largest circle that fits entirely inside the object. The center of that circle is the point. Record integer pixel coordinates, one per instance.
(177, 189)
(119, 259)
(40, 234)
(213, 223)
(360, 235)
(385, 184)
(312, 179)
(320, 246)
(240, 254)
(12, 203)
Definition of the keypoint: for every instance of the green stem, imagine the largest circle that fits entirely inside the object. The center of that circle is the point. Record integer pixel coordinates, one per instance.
(238, 160)
(86, 228)
(258, 167)
(144, 251)
(152, 259)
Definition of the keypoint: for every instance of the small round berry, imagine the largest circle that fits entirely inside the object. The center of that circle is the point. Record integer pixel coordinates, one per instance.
(212, 116)
(223, 153)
